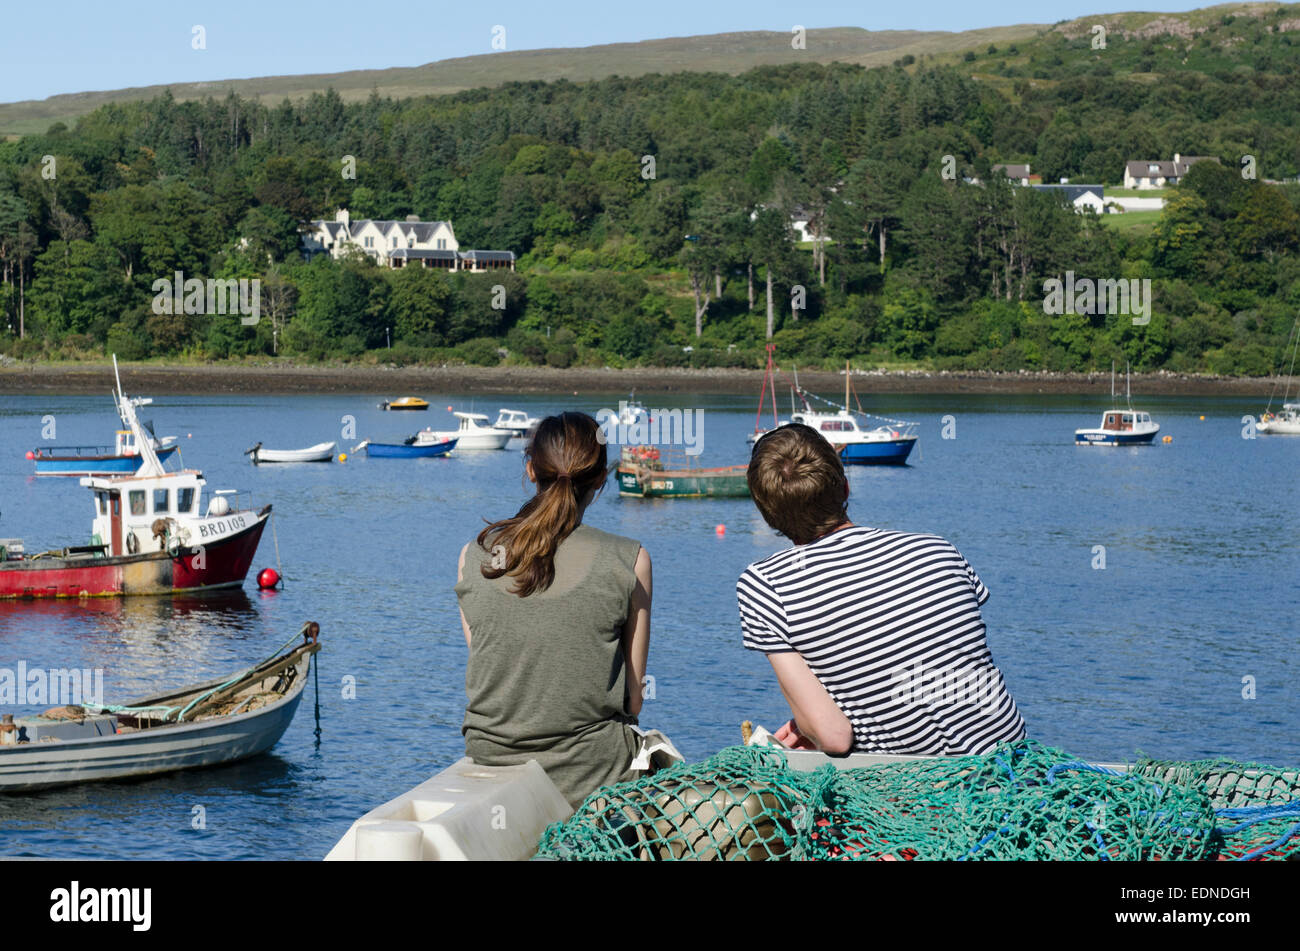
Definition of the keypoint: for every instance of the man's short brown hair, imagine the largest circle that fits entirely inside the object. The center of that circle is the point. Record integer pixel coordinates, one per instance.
(798, 483)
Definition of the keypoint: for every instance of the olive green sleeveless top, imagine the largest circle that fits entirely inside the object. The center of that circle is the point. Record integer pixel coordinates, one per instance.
(546, 673)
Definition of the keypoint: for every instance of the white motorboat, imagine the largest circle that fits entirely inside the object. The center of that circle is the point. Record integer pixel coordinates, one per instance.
(321, 452)
(1121, 426)
(515, 420)
(474, 432)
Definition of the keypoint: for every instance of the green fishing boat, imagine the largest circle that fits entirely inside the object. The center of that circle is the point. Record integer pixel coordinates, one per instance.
(643, 474)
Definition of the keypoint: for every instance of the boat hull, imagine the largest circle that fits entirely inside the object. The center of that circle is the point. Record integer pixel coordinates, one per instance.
(105, 465)
(1102, 437)
(478, 441)
(388, 450)
(321, 453)
(892, 452)
(222, 564)
(1279, 427)
(725, 483)
(33, 766)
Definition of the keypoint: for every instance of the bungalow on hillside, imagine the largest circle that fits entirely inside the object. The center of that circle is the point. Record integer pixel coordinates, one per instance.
(397, 244)
(1157, 174)
(1089, 197)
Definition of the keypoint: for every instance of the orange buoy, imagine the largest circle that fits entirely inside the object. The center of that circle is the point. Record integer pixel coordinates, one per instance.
(720, 529)
(30, 454)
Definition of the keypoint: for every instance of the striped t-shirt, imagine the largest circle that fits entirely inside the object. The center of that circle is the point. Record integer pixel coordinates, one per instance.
(890, 623)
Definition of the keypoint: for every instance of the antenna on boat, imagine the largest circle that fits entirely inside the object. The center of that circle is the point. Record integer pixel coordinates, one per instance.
(1112, 382)
(1128, 397)
(846, 386)
(151, 466)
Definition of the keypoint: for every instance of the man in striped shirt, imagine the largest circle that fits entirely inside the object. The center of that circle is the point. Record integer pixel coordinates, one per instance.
(875, 636)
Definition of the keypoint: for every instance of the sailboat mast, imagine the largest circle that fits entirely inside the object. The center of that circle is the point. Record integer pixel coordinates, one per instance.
(846, 386)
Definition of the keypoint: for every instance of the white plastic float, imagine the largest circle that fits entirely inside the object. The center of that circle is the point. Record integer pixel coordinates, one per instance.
(466, 812)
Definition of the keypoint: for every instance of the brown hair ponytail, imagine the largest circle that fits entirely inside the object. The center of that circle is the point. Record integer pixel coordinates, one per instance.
(568, 458)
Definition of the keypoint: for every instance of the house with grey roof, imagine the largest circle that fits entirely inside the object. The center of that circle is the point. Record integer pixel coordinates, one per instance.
(1019, 174)
(395, 244)
(1159, 174)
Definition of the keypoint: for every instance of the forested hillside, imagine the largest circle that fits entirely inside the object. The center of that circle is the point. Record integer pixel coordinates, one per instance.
(653, 214)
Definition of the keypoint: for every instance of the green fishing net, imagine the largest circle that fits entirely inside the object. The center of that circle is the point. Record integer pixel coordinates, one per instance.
(1023, 800)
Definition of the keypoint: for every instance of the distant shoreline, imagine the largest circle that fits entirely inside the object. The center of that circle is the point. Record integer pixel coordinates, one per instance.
(151, 378)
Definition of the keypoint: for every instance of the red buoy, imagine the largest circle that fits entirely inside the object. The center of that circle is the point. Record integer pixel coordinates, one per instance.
(721, 529)
(30, 455)
(268, 578)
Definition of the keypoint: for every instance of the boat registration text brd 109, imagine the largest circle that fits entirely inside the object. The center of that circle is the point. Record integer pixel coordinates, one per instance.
(222, 526)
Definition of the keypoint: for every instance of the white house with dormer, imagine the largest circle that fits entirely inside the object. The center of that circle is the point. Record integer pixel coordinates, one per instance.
(1158, 174)
(399, 243)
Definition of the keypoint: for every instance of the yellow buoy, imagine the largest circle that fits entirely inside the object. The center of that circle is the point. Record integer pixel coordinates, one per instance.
(1202, 419)
(343, 457)
(1169, 439)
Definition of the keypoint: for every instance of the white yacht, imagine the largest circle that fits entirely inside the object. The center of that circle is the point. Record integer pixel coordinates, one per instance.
(1285, 421)
(515, 420)
(474, 432)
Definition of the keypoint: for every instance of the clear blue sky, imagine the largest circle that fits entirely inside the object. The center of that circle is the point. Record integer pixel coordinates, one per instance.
(46, 49)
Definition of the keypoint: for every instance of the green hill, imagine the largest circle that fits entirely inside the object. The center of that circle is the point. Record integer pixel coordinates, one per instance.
(722, 52)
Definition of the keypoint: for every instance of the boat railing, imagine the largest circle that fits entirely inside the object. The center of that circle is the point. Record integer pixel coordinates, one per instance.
(240, 500)
(45, 451)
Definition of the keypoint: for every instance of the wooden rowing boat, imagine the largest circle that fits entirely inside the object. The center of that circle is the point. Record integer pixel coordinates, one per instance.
(220, 721)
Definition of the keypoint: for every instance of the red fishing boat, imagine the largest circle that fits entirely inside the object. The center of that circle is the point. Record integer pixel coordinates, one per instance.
(150, 535)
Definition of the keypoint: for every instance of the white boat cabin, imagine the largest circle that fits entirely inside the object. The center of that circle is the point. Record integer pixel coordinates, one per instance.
(1124, 421)
(515, 420)
(842, 427)
(145, 513)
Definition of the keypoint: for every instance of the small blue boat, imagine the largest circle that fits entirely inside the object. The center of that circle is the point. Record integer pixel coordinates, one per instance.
(412, 450)
(123, 459)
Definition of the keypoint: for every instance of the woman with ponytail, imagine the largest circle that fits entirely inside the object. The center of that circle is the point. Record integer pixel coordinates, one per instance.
(556, 614)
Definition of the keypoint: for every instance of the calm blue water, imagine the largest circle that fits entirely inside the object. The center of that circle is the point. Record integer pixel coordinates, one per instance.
(1148, 654)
